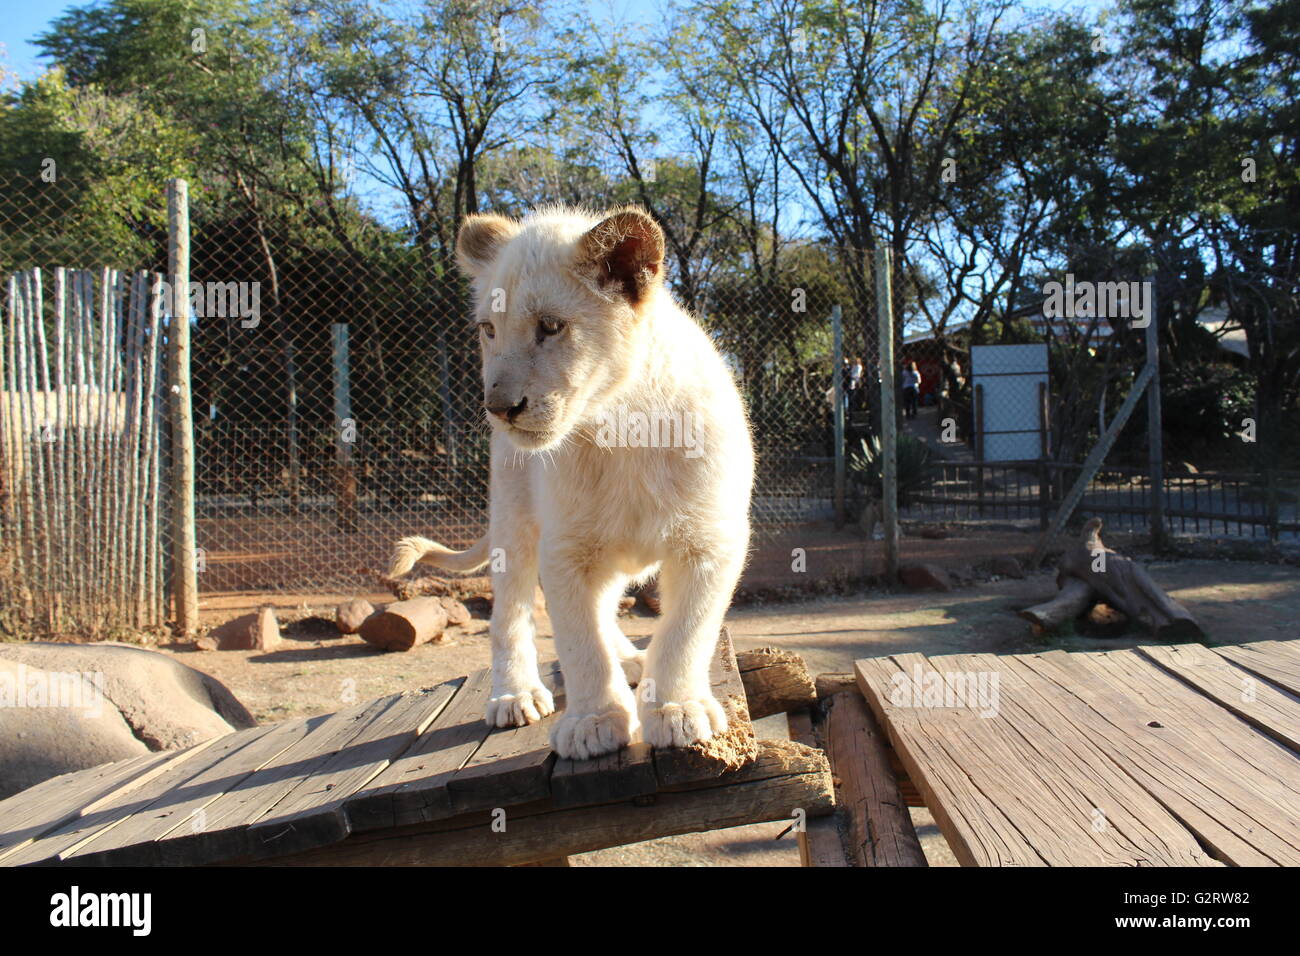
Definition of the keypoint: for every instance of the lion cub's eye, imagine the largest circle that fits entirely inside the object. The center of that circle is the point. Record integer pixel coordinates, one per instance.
(487, 329)
(549, 326)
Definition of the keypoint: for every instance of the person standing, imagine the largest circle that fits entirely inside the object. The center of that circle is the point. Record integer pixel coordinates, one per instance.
(911, 382)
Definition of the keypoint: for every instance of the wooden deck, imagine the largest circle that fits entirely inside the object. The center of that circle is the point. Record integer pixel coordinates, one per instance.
(414, 778)
(1176, 755)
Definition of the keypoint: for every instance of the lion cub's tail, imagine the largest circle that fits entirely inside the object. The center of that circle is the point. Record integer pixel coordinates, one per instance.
(410, 551)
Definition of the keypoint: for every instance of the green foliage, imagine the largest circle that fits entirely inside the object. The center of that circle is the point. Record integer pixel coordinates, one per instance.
(915, 466)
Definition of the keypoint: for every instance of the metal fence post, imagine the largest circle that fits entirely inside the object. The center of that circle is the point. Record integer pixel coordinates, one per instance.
(185, 581)
(344, 428)
(837, 392)
(888, 419)
(1155, 438)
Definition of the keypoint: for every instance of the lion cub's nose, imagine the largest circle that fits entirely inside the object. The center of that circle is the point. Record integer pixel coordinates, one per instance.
(506, 412)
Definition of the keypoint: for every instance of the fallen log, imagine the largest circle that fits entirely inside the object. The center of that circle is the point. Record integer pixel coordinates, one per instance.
(406, 624)
(1100, 588)
(1127, 587)
(1074, 599)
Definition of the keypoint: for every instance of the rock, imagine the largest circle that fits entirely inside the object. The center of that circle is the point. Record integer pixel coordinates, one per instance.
(457, 613)
(350, 616)
(1007, 566)
(251, 632)
(115, 701)
(205, 644)
(922, 577)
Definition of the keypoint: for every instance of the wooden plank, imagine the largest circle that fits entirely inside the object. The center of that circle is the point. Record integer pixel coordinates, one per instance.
(1007, 783)
(229, 816)
(880, 828)
(513, 764)
(1275, 661)
(820, 841)
(626, 773)
(1257, 702)
(105, 814)
(54, 802)
(1213, 791)
(312, 813)
(677, 766)
(1128, 824)
(142, 838)
(782, 776)
(413, 788)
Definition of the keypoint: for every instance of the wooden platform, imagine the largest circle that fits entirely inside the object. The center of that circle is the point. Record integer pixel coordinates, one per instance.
(1176, 755)
(415, 778)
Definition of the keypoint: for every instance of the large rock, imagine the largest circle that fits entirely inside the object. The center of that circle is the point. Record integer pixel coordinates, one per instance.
(66, 707)
(251, 632)
(349, 616)
(924, 577)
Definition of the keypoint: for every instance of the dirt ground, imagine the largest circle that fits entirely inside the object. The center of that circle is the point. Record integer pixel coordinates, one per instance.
(318, 672)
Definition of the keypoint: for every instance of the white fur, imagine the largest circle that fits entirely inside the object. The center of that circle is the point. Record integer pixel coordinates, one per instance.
(589, 518)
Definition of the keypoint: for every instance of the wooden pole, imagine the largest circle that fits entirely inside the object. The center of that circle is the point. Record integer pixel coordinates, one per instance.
(1155, 438)
(346, 494)
(888, 419)
(185, 580)
(837, 390)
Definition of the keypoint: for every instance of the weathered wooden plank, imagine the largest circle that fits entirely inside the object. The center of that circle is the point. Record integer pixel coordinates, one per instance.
(626, 773)
(141, 839)
(676, 766)
(312, 814)
(112, 809)
(513, 764)
(821, 843)
(1155, 735)
(54, 802)
(1257, 702)
(1276, 772)
(880, 828)
(228, 817)
(1006, 783)
(1103, 803)
(413, 788)
(782, 776)
(1275, 661)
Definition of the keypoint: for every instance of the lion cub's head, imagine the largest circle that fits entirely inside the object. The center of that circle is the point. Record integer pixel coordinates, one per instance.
(560, 300)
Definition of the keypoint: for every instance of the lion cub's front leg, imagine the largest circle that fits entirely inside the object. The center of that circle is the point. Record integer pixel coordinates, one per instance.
(600, 713)
(518, 696)
(675, 697)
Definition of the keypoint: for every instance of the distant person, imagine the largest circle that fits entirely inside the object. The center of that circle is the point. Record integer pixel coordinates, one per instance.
(911, 389)
(855, 383)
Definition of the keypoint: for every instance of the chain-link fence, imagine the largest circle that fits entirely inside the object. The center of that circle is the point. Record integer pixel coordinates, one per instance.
(336, 391)
(337, 406)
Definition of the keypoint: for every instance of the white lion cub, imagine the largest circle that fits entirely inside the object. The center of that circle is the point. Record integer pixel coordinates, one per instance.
(620, 447)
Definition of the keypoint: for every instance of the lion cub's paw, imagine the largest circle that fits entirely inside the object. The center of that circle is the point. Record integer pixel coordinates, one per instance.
(682, 723)
(581, 735)
(516, 710)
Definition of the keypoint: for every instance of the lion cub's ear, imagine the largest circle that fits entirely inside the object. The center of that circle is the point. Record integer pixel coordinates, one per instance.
(480, 239)
(623, 254)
